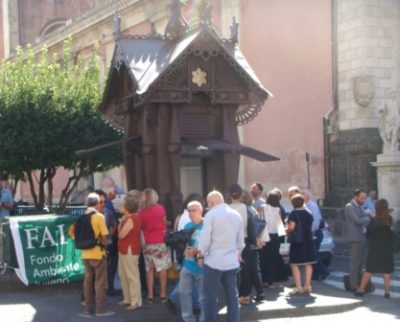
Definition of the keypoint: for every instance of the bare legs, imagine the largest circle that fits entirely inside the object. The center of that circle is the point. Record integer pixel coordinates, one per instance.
(297, 278)
(163, 284)
(307, 283)
(365, 279)
(296, 275)
(386, 281)
(150, 283)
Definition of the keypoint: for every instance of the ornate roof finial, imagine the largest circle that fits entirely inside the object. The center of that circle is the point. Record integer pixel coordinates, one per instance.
(117, 26)
(234, 31)
(205, 10)
(177, 25)
(153, 32)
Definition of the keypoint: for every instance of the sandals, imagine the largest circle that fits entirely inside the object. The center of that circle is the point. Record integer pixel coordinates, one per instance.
(296, 291)
(122, 303)
(133, 307)
(149, 300)
(164, 300)
(244, 300)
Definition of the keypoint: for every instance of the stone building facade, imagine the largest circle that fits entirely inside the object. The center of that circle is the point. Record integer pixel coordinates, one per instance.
(332, 59)
(26, 21)
(367, 77)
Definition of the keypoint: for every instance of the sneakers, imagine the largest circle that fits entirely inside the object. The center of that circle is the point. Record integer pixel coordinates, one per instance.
(105, 313)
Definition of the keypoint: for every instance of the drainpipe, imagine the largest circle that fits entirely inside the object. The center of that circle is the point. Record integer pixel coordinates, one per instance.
(334, 54)
(334, 108)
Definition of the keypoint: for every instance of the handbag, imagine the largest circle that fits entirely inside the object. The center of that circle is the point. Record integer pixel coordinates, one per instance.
(297, 235)
(284, 248)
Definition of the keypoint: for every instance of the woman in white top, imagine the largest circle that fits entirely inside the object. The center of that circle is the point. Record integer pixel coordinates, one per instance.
(271, 262)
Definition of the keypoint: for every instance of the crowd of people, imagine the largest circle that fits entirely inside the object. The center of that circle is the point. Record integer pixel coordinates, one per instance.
(233, 242)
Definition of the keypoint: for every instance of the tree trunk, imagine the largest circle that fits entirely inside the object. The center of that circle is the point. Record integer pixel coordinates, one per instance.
(50, 173)
(14, 188)
(42, 194)
(32, 188)
(70, 186)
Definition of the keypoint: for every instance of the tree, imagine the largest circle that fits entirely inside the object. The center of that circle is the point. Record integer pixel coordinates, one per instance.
(47, 112)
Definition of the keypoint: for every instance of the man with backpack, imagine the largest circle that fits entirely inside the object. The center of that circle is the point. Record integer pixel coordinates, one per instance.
(110, 215)
(91, 236)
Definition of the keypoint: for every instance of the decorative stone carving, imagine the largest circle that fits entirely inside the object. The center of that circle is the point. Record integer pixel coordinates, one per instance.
(199, 77)
(205, 12)
(363, 89)
(234, 31)
(388, 166)
(389, 125)
(177, 25)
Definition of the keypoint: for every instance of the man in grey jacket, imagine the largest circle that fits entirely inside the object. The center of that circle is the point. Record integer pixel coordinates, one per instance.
(357, 221)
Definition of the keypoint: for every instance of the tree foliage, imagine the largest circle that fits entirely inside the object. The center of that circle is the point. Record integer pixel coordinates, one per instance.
(47, 112)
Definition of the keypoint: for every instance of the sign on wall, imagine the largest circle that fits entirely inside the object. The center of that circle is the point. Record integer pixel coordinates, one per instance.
(45, 252)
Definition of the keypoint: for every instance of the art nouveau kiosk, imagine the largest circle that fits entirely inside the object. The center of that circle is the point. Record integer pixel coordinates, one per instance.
(179, 98)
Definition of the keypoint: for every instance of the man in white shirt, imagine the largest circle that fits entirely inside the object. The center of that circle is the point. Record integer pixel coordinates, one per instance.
(221, 244)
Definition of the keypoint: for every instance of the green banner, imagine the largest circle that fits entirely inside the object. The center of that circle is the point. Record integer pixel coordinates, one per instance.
(45, 252)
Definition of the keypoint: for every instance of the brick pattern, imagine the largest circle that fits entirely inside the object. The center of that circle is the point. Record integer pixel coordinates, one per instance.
(368, 38)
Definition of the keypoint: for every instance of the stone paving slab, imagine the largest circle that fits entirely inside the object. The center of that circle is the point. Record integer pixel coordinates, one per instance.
(62, 304)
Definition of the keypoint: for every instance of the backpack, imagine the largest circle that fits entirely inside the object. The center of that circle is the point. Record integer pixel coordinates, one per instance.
(177, 241)
(84, 234)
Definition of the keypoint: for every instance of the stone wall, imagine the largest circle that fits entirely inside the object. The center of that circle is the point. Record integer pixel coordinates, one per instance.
(367, 59)
(367, 42)
(36, 15)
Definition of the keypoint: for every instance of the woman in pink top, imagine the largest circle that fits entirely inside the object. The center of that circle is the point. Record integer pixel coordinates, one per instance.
(156, 253)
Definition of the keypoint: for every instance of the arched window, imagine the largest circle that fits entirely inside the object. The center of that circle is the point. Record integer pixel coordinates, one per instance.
(51, 26)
